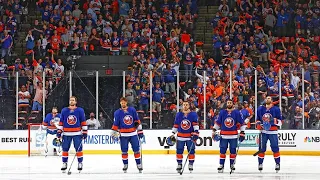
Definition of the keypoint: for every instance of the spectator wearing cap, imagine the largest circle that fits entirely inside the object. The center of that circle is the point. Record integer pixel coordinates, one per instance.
(157, 98)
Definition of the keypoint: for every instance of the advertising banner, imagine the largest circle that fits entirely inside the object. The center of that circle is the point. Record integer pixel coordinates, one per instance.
(293, 142)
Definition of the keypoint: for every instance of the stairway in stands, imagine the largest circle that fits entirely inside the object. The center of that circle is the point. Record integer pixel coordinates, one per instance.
(20, 43)
(204, 31)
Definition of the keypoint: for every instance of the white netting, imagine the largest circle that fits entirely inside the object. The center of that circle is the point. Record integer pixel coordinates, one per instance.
(37, 143)
(42, 144)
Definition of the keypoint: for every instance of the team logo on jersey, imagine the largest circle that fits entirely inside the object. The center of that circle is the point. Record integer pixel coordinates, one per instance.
(266, 117)
(185, 124)
(72, 120)
(128, 120)
(229, 122)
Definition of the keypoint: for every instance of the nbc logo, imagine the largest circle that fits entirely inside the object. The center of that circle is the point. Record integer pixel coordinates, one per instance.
(311, 139)
(307, 139)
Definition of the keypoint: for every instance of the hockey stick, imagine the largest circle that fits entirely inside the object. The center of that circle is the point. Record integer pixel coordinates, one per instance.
(74, 157)
(187, 158)
(260, 145)
(234, 162)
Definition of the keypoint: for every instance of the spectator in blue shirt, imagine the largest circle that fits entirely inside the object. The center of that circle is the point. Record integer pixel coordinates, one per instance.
(6, 42)
(157, 98)
(123, 8)
(169, 79)
(144, 95)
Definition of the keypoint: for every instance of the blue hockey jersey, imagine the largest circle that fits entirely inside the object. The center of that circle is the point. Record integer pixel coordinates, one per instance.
(271, 115)
(124, 122)
(73, 121)
(186, 125)
(227, 122)
(51, 123)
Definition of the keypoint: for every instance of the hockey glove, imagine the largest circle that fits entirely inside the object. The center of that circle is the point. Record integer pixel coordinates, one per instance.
(215, 135)
(115, 135)
(84, 135)
(259, 125)
(194, 136)
(242, 136)
(59, 133)
(140, 134)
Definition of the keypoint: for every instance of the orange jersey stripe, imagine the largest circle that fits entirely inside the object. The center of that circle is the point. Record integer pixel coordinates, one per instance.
(129, 130)
(52, 127)
(75, 129)
(234, 132)
(84, 123)
(115, 128)
(186, 135)
(45, 124)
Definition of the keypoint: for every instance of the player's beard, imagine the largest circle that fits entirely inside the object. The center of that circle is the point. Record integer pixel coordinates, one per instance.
(124, 107)
(229, 107)
(186, 110)
(268, 103)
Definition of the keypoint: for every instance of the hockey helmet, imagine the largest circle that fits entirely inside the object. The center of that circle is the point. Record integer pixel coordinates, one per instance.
(171, 141)
(56, 142)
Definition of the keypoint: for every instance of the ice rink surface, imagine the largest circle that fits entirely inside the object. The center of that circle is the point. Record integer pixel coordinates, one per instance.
(107, 167)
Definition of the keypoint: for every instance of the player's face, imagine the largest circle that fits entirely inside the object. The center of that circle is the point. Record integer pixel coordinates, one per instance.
(72, 102)
(268, 100)
(123, 104)
(186, 106)
(54, 111)
(229, 104)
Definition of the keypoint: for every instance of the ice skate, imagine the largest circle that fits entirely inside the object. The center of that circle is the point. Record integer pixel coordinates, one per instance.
(179, 168)
(139, 166)
(260, 167)
(64, 167)
(220, 168)
(125, 168)
(190, 168)
(232, 168)
(277, 168)
(80, 165)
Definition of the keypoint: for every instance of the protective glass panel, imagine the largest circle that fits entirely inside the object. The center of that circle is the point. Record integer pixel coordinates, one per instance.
(84, 89)
(8, 101)
(110, 91)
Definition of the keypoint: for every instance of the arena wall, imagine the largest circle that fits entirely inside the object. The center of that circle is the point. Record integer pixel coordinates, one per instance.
(291, 142)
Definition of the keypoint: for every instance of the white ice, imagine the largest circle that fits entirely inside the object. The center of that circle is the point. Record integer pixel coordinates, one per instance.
(157, 167)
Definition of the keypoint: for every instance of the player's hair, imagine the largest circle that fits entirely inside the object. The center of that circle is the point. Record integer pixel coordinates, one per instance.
(229, 100)
(75, 98)
(55, 107)
(123, 99)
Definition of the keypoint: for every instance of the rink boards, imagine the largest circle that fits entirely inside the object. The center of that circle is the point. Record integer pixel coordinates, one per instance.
(291, 142)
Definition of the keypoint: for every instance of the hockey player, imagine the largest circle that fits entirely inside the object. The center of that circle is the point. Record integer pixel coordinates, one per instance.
(74, 128)
(268, 120)
(50, 124)
(126, 121)
(227, 122)
(187, 128)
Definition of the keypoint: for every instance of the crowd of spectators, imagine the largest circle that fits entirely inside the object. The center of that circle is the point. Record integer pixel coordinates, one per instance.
(267, 36)
(247, 35)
